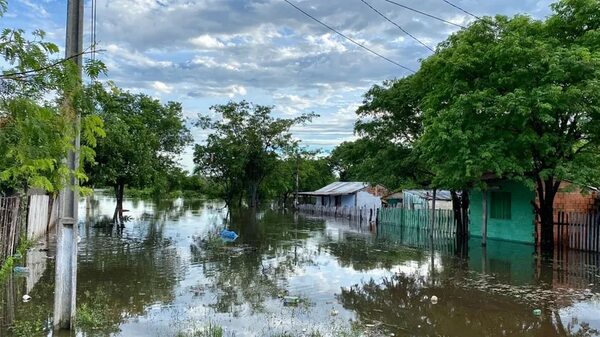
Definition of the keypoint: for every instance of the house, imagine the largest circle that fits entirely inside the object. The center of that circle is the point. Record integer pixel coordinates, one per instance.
(510, 212)
(419, 199)
(348, 194)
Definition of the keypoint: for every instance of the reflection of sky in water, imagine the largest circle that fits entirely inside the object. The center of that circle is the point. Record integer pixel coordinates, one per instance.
(317, 274)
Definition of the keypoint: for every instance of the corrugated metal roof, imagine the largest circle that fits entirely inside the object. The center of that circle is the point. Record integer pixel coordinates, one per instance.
(428, 194)
(339, 188)
(395, 195)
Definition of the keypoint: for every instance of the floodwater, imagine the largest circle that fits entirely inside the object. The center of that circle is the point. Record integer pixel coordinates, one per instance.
(167, 274)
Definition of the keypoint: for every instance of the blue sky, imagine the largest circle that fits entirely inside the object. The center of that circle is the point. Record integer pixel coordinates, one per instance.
(208, 52)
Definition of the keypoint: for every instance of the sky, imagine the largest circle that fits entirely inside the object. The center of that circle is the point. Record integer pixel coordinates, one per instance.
(207, 52)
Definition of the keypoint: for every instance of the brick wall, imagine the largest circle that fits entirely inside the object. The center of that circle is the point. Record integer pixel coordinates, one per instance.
(570, 199)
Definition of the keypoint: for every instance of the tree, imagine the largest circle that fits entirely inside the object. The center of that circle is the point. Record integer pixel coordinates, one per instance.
(307, 168)
(143, 137)
(518, 98)
(373, 161)
(243, 148)
(391, 124)
(36, 122)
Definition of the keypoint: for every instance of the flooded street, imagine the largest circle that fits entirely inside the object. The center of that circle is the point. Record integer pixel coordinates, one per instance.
(168, 274)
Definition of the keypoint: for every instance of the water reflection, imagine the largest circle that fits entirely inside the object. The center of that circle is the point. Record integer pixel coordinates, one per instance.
(167, 271)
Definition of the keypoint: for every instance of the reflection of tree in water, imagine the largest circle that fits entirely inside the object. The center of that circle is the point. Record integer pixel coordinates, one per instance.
(400, 306)
(128, 273)
(362, 254)
(254, 268)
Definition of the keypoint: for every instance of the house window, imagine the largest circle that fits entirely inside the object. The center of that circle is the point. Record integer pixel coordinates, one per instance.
(338, 200)
(500, 206)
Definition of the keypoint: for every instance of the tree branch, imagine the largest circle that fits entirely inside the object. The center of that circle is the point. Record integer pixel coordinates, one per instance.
(49, 66)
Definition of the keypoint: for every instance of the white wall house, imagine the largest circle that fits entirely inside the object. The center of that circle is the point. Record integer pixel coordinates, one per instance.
(348, 195)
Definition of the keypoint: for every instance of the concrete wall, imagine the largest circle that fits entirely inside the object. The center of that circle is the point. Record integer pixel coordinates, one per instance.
(348, 200)
(365, 199)
(359, 199)
(519, 228)
(37, 216)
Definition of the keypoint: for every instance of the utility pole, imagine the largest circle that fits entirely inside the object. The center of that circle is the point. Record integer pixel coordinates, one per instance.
(67, 233)
(297, 180)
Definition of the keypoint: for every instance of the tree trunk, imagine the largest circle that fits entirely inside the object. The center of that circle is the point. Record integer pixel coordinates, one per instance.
(465, 203)
(546, 191)
(253, 195)
(119, 192)
(456, 209)
(460, 207)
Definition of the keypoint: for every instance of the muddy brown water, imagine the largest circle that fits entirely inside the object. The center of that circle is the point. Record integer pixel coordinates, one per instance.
(167, 274)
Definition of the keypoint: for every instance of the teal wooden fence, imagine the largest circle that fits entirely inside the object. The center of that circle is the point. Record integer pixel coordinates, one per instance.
(420, 219)
(411, 227)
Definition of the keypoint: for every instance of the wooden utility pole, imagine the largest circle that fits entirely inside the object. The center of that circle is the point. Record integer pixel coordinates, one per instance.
(67, 233)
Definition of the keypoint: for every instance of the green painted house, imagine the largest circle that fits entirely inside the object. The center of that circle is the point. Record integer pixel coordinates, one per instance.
(510, 214)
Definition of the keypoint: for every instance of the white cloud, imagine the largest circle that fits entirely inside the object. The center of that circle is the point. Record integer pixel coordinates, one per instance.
(207, 42)
(207, 52)
(162, 87)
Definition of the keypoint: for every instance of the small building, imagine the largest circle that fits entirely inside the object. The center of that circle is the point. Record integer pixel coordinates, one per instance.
(510, 212)
(419, 199)
(348, 194)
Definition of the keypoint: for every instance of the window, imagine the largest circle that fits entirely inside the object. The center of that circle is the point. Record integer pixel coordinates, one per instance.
(500, 206)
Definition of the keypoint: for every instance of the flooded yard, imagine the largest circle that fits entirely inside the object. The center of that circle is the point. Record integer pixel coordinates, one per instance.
(167, 273)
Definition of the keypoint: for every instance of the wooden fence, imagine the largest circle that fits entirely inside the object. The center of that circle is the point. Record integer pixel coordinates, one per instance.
(445, 226)
(37, 216)
(9, 226)
(359, 214)
(580, 231)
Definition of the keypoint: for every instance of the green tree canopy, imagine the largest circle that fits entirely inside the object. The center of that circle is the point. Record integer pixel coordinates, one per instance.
(518, 98)
(143, 138)
(39, 97)
(244, 147)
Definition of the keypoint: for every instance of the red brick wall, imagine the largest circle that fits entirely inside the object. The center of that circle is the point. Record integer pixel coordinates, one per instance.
(570, 199)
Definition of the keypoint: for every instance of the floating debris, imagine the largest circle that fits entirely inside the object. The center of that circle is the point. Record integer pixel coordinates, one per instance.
(291, 300)
(21, 270)
(434, 299)
(228, 235)
(26, 298)
(537, 312)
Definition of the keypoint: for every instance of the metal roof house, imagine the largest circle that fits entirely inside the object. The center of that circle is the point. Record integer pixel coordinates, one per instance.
(419, 199)
(348, 194)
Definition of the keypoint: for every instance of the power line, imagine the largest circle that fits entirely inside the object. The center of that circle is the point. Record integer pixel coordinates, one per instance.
(426, 14)
(349, 39)
(462, 9)
(93, 25)
(397, 25)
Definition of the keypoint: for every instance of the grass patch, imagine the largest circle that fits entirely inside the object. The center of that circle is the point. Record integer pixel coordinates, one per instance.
(208, 331)
(27, 328)
(9, 263)
(92, 313)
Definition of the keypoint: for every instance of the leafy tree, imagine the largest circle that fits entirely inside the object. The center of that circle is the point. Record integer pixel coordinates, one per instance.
(518, 98)
(39, 95)
(391, 124)
(243, 148)
(143, 136)
(310, 169)
(374, 161)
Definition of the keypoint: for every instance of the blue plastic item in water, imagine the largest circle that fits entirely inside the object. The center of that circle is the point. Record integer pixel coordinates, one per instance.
(21, 270)
(228, 235)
